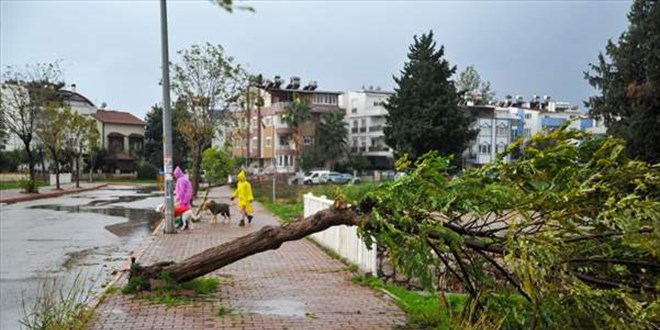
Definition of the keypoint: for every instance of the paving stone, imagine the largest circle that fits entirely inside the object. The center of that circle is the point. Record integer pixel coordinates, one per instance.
(297, 286)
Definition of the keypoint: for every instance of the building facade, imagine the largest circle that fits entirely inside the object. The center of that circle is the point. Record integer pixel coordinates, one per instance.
(365, 116)
(497, 129)
(261, 134)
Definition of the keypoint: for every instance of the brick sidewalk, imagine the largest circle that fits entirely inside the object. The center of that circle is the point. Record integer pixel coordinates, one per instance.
(294, 287)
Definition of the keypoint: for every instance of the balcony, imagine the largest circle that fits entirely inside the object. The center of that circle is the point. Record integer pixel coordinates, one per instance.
(363, 129)
(378, 148)
(378, 128)
(354, 130)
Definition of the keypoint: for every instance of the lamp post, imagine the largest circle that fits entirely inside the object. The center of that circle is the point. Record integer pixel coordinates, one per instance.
(167, 125)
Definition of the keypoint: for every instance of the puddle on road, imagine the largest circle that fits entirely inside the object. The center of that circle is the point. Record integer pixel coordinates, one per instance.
(279, 307)
(139, 220)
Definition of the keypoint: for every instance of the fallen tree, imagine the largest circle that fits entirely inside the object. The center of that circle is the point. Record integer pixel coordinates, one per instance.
(565, 236)
(267, 238)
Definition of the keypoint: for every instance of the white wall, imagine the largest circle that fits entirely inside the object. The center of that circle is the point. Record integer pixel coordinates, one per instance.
(343, 240)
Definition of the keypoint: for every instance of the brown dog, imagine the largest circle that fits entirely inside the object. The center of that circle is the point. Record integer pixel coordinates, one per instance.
(217, 208)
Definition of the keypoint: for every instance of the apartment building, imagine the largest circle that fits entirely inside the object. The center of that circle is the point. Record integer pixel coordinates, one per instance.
(264, 137)
(497, 129)
(503, 122)
(365, 116)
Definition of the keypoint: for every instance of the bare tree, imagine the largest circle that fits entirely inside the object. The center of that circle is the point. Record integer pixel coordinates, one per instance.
(24, 94)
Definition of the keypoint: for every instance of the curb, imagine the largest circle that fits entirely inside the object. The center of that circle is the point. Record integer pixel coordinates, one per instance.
(32, 197)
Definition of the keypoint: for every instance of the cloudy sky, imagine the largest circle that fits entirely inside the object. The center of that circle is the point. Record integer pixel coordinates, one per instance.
(111, 49)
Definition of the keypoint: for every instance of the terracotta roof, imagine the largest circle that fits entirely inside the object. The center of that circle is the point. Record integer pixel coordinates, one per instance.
(117, 117)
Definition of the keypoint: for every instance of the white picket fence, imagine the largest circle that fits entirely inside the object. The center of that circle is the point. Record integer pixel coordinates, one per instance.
(341, 239)
(64, 178)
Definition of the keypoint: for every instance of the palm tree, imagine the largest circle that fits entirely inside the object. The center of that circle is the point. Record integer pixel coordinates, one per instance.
(333, 137)
(296, 114)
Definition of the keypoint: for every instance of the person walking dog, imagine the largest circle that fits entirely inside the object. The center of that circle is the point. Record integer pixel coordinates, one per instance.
(184, 192)
(244, 193)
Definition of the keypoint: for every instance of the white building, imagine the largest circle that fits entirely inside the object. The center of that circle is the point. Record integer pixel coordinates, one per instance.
(365, 115)
(496, 131)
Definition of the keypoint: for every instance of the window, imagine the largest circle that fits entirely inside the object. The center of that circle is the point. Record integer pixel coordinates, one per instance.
(485, 130)
(528, 116)
(501, 130)
(527, 132)
(284, 141)
(135, 144)
(484, 148)
(355, 123)
(269, 142)
(501, 147)
(309, 140)
(115, 142)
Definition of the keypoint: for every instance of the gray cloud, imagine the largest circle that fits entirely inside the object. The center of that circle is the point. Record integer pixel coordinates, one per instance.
(111, 49)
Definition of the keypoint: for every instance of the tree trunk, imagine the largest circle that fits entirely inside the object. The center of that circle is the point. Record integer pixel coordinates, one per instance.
(268, 238)
(197, 156)
(77, 171)
(30, 167)
(57, 172)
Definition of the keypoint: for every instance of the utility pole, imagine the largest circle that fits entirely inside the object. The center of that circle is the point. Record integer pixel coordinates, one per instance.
(249, 119)
(167, 125)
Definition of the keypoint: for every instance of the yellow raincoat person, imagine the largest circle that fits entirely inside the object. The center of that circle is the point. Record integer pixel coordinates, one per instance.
(245, 197)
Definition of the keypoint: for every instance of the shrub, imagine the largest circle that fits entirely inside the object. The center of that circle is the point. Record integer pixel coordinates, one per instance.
(146, 170)
(28, 185)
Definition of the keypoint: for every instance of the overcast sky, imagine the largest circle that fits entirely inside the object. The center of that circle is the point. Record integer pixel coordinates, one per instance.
(111, 49)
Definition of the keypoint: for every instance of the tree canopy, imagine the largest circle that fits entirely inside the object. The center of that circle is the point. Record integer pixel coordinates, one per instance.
(566, 236)
(627, 77)
(153, 136)
(333, 138)
(296, 114)
(423, 113)
(205, 80)
(469, 84)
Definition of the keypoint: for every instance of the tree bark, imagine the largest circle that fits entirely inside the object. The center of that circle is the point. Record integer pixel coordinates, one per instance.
(30, 165)
(268, 238)
(77, 171)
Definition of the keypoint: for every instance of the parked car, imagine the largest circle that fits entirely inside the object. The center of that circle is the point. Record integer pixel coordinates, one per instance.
(316, 177)
(335, 177)
(348, 178)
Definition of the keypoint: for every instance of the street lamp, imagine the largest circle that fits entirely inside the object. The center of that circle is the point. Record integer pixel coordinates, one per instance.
(167, 124)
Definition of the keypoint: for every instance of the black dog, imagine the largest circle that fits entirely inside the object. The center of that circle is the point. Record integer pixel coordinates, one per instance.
(217, 208)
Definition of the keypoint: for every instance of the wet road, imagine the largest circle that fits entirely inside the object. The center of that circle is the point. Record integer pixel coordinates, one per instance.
(86, 235)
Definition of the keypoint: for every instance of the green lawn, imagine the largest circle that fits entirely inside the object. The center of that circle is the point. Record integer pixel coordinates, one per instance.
(17, 185)
(285, 211)
(423, 310)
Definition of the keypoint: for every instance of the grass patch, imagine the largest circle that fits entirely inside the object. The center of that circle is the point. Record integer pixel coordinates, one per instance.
(224, 310)
(17, 184)
(58, 306)
(422, 310)
(285, 211)
(113, 289)
(174, 294)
